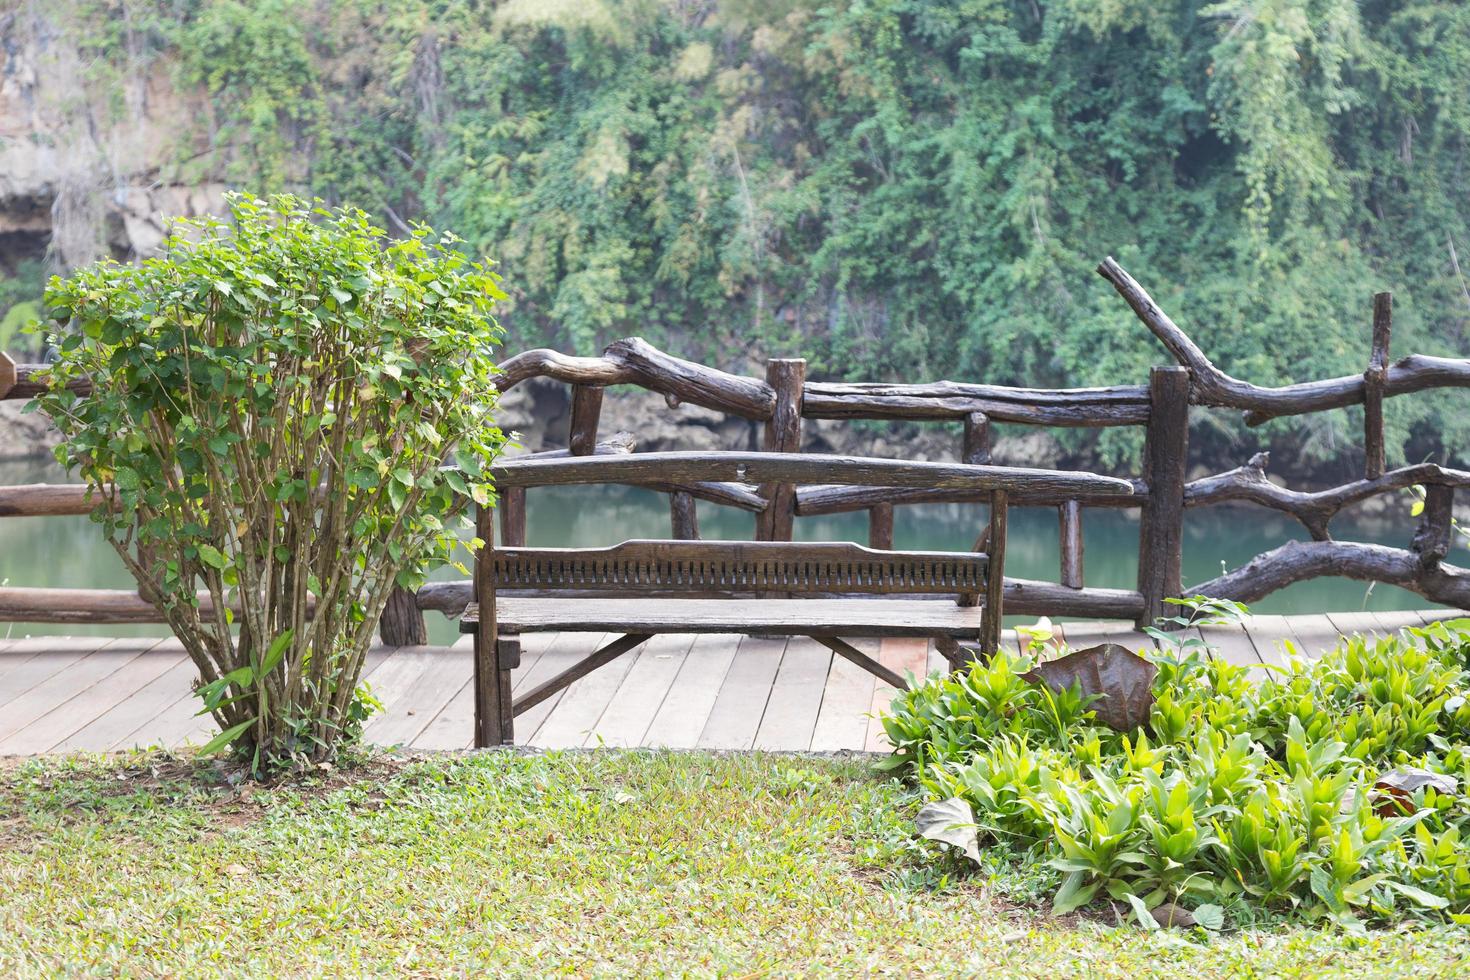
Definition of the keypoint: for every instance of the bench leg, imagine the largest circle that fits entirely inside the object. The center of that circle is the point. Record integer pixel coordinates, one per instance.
(510, 659)
(494, 715)
(958, 655)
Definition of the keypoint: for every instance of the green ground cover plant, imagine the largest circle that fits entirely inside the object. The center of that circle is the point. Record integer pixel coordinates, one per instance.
(611, 863)
(263, 414)
(1330, 790)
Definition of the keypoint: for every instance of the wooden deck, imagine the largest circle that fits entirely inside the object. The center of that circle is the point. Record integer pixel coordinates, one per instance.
(715, 691)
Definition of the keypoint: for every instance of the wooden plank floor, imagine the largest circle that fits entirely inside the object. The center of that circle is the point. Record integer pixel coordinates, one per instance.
(64, 694)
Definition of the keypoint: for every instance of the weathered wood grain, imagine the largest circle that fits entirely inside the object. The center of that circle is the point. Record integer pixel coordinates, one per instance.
(586, 416)
(736, 714)
(737, 566)
(1123, 405)
(1165, 456)
(80, 606)
(834, 499)
(683, 517)
(1069, 521)
(796, 698)
(47, 500)
(842, 721)
(634, 706)
(1297, 561)
(786, 377)
(688, 467)
(795, 617)
(1211, 386)
(635, 361)
(1375, 380)
(690, 699)
(1316, 509)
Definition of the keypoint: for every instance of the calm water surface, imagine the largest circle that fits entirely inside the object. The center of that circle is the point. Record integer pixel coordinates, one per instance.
(70, 551)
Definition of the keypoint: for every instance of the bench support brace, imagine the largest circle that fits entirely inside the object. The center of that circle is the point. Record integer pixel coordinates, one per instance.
(604, 655)
(844, 649)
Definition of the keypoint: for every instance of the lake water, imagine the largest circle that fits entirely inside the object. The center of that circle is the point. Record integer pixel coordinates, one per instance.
(70, 551)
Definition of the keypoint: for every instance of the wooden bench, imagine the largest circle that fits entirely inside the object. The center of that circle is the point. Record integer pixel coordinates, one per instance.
(828, 590)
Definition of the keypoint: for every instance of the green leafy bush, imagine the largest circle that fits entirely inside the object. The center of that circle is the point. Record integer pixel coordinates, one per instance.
(272, 402)
(1331, 789)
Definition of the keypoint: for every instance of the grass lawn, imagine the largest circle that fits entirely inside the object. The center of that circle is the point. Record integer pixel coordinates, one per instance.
(587, 863)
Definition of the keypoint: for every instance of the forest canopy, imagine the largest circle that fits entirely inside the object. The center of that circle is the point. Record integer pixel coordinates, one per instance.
(893, 188)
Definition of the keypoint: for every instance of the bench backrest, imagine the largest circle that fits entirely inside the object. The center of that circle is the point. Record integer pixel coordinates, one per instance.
(716, 567)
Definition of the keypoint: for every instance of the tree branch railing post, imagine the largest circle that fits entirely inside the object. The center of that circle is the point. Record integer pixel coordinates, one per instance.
(493, 712)
(1069, 521)
(1161, 528)
(1374, 381)
(787, 376)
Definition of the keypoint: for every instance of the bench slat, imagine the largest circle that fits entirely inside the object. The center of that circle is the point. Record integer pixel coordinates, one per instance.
(794, 617)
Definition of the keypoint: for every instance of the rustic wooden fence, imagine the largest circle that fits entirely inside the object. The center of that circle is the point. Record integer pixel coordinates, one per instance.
(784, 398)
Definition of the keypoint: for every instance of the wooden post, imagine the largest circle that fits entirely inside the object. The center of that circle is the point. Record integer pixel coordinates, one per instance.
(880, 527)
(512, 517)
(1069, 516)
(1161, 528)
(977, 439)
(490, 720)
(402, 623)
(995, 576)
(1432, 539)
(508, 645)
(1373, 386)
(783, 435)
(586, 414)
(7, 374)
(683, 517)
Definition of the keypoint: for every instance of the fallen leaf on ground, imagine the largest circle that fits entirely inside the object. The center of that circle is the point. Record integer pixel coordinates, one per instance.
(1122, 678)
(950, 822)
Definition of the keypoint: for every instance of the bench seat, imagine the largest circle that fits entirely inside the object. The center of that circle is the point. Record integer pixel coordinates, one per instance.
(795, 617)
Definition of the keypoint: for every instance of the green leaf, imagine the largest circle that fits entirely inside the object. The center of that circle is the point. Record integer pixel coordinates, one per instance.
(212, 556)
(1211, 917)
(276, 651)
(226, 737)
(1428, 900)
(1141, 914)
(1073, 894)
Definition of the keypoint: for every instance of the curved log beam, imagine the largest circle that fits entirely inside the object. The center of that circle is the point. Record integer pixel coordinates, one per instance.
(821, 499)
(635, 361)
(1123, 405)
(643, 469)
(1214, 387)
(1297, 561)
(19, 381)
(98, 606)
(736, 495)
(1315, 510)
(1024, 597)
(46, 500)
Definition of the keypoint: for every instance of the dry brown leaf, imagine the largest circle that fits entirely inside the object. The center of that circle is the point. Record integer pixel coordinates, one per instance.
(1123, 678)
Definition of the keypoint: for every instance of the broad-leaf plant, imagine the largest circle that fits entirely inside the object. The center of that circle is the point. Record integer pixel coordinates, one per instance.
(281, 418)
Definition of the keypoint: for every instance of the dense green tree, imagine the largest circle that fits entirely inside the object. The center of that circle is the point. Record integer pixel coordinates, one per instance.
(896, 188)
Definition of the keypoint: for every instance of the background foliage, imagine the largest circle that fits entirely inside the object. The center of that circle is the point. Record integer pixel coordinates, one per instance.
(894, 188)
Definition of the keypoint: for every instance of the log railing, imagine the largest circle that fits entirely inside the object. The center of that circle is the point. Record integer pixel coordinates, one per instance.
(780, 492)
